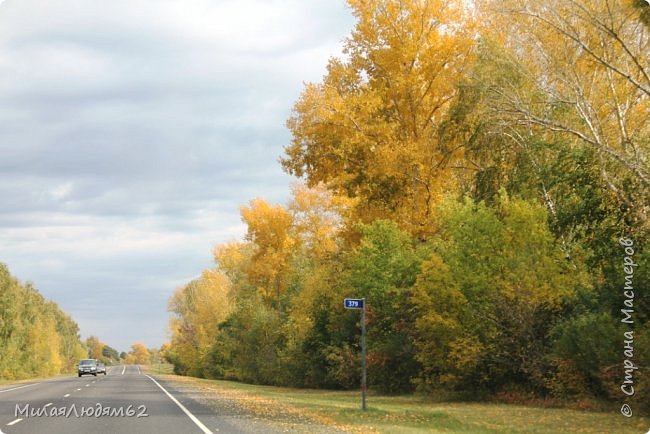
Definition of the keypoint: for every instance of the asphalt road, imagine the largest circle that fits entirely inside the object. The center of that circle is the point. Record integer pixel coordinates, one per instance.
(123, 401)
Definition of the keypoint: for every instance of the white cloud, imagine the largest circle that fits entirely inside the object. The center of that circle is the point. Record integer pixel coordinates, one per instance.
(61, 191)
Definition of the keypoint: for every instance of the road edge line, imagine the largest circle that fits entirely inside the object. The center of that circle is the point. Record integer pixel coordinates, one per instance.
(19, 387)
(194, 419)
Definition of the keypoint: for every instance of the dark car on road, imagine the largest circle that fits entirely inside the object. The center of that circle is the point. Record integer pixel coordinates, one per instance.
(87, 367)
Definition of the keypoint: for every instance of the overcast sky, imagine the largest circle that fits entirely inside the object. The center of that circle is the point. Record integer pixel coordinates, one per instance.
(131, 131)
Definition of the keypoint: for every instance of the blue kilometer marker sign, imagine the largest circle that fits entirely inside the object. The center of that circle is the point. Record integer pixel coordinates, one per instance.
(353, 303)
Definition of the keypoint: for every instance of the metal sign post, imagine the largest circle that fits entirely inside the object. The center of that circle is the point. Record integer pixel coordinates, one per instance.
(363, 356)
(360, 304)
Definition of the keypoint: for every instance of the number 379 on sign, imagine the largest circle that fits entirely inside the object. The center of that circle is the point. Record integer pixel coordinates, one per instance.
(353, 303)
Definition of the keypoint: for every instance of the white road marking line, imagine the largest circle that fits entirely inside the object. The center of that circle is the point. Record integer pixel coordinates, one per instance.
(78, 389)
(48, 404)
(138, 369)
(182, 407)
(19, 387)
(87, 385)
(14, 422)
(123, 369)
(66, 395)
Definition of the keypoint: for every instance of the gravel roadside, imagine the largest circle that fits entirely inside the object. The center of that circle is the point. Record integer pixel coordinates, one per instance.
(247, 413)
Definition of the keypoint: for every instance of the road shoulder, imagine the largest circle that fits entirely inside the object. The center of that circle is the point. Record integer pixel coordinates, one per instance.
(246, 412)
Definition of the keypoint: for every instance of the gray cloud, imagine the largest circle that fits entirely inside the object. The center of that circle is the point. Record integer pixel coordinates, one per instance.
(130, 134)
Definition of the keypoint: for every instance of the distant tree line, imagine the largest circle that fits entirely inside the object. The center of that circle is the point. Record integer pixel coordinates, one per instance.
(473, 187)
(36, 337)
(100, 351)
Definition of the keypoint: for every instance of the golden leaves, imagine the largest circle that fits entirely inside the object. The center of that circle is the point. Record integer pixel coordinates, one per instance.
(590, 61)
(269, 232)
(370, 129)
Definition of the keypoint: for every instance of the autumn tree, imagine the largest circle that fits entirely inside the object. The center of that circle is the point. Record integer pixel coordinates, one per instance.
(164, 351)
(589, 61)
(44, 343)
(578, 113)
(250, 343)
(70, 346)
(369, 131)
(198, 308)
(233, 260)
(139, 354)
(110, 354)
(95, 347)
(317, 217)
(269, 232)
(321, 347)
(36, 337)
(487, 298)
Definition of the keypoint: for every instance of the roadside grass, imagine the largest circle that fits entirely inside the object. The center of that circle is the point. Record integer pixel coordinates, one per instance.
(158, 368)
(11, 381)
(416, 414)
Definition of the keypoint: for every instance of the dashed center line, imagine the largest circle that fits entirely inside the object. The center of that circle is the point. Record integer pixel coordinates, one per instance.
(78, 389)
(87, 385)
(66, 395)
(14, 422)
(48, 404)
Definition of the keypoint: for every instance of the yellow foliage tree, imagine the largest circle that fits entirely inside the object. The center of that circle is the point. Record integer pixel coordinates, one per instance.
(370, 130)
(317, 218)
(199, 308)
(95, 347)
(140, 354)
(232, 259)
(269, 231)
(43, 342)
(589, 59)
(36, 337)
